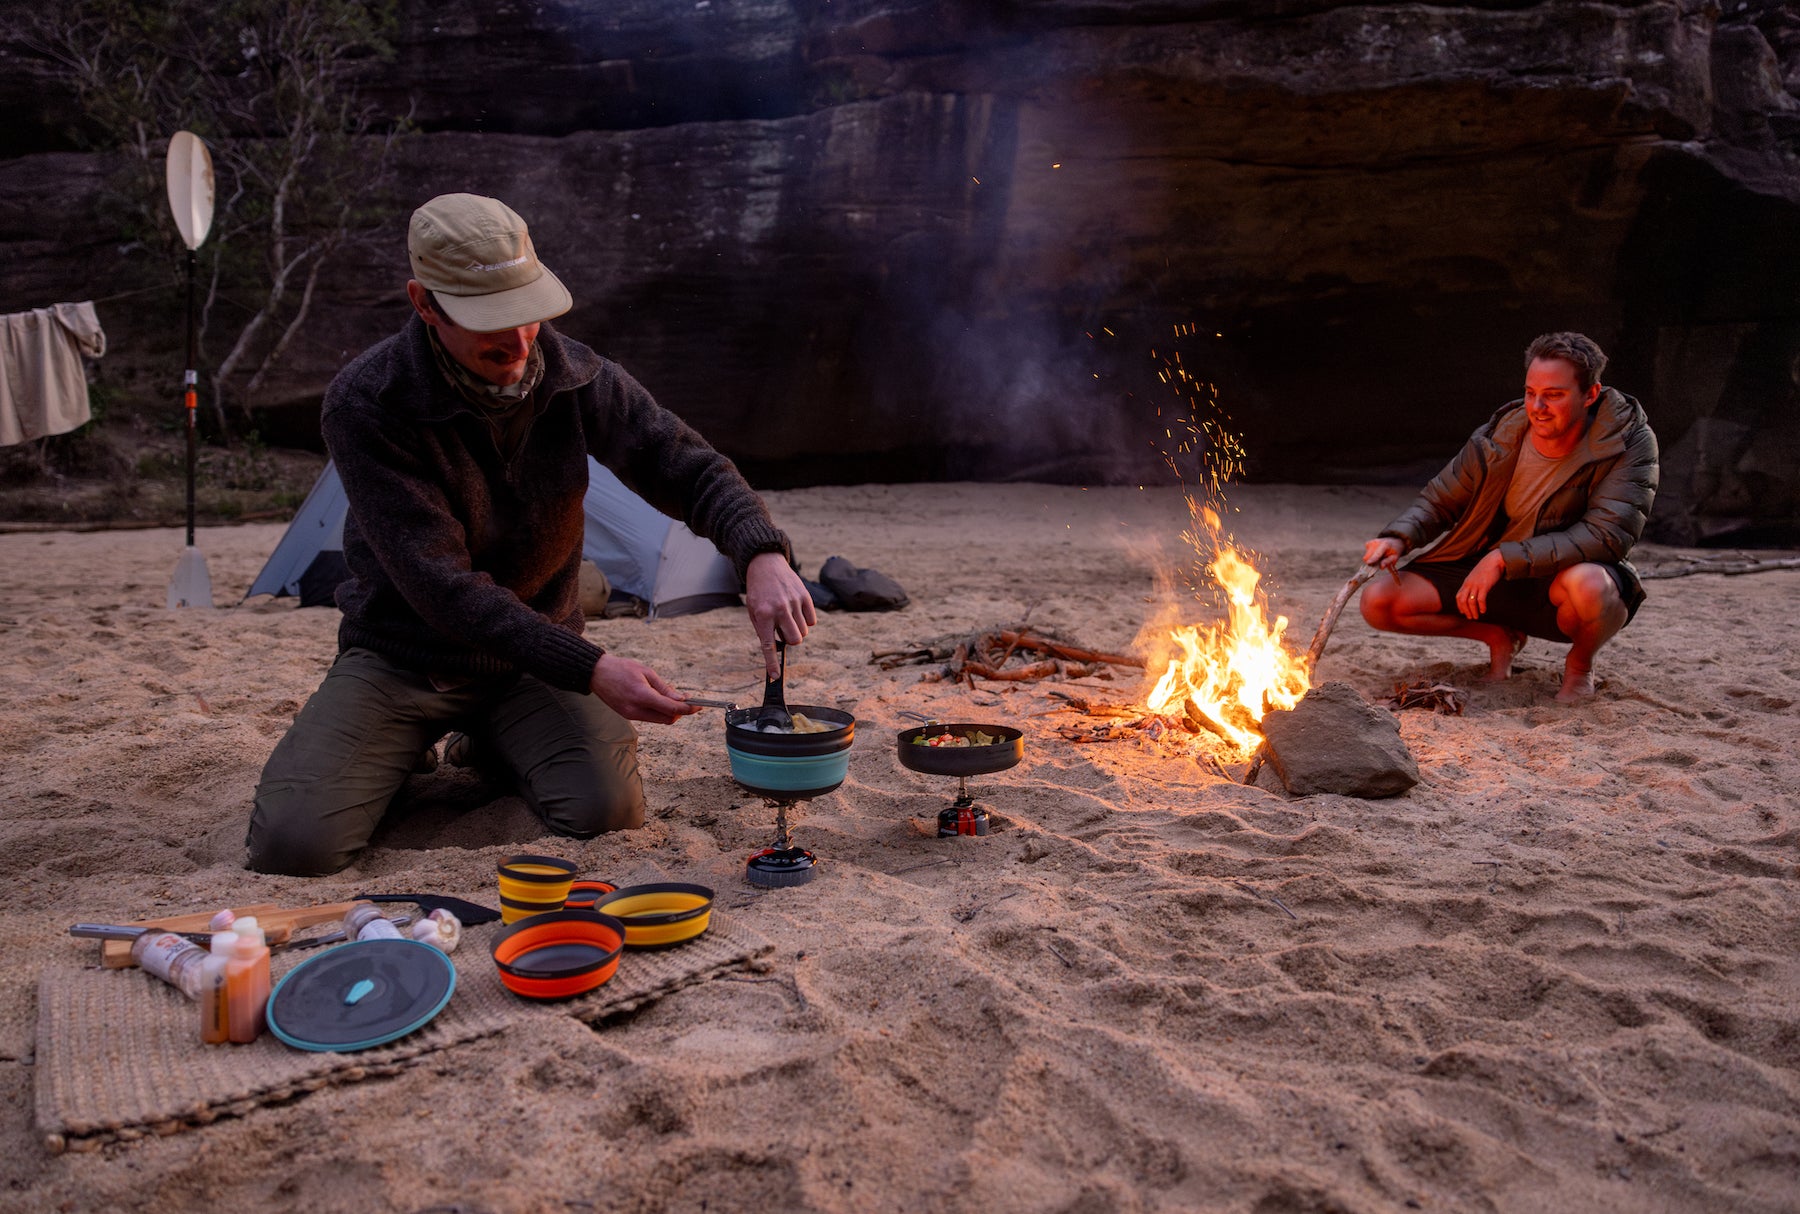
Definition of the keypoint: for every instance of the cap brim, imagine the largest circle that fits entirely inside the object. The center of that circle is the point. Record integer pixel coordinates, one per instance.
(544, 299)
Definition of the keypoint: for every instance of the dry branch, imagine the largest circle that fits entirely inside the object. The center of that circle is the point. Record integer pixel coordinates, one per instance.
(1439, 697)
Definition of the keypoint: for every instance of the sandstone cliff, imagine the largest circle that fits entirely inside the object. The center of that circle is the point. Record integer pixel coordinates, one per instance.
(857, 239)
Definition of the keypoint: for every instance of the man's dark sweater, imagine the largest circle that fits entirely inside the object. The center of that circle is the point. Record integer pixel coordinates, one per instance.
(464, 563)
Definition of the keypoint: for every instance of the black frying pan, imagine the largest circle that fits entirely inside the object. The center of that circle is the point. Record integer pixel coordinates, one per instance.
(960, 760)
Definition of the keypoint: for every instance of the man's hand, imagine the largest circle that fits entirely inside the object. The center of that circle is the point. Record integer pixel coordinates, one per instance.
(636, 692)
(778, 604)
(1383, 552)
(1471, 600)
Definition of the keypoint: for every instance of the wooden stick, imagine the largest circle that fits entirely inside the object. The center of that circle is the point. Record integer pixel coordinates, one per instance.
(1331, 615)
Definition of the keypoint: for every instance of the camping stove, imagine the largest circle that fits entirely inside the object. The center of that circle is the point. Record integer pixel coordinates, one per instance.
(952, 750)
(962, 816)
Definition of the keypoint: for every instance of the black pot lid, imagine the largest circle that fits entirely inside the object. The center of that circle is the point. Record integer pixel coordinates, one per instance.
(362, 994)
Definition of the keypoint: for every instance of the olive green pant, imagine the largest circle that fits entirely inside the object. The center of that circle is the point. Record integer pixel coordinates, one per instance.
(331, 778)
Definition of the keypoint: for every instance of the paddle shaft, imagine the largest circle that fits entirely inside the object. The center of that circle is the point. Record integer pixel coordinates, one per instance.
(189, 382)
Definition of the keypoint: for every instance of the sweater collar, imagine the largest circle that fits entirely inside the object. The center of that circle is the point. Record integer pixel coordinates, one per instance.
(479, 392)
(567, 365)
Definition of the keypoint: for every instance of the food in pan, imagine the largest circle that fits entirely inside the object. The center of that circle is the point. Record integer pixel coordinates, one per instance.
(974, 737)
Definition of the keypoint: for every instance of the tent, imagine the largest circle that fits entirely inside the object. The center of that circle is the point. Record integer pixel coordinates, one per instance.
(643, 552)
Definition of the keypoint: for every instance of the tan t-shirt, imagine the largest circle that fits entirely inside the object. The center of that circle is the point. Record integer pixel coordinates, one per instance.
(1535, 477)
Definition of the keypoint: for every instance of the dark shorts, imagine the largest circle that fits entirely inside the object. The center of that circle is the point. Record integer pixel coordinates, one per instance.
(1521, 603)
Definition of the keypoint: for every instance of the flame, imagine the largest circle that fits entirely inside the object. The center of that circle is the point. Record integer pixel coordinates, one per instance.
(1233, 672)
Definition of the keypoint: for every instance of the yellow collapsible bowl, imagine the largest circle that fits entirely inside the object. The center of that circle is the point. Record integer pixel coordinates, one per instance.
(533, 885)
(656, 916)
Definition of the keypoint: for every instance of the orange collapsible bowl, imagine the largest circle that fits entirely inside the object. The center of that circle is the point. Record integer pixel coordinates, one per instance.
(586, 895)
(662, 914)
(559, 954)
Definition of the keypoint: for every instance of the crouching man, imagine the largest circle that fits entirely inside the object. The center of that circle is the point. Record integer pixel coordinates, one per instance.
(1536, 514)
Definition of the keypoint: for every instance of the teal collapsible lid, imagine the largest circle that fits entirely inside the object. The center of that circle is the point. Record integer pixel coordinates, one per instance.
(360, 995)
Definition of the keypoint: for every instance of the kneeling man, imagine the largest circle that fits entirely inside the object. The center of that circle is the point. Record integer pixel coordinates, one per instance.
(462, 442)
(1534, 518)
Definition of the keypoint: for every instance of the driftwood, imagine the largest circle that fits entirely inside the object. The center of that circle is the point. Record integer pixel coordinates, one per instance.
(985, 655)
(1727, 566)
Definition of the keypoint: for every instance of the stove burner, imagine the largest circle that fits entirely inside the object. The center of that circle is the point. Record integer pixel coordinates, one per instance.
(783, 864)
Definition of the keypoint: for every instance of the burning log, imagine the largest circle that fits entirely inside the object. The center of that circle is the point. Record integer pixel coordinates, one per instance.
(1198, 720)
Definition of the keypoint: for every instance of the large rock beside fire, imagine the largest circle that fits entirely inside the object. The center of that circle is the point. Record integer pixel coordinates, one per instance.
(1335, 741)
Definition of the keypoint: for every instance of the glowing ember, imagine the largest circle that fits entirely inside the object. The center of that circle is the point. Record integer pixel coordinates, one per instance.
(1226, 676)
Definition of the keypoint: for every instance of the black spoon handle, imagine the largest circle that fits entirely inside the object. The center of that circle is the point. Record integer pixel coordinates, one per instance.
(774, 691)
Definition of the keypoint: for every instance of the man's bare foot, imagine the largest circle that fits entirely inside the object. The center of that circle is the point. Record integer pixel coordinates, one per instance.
(1577, 685)
(1501, 654)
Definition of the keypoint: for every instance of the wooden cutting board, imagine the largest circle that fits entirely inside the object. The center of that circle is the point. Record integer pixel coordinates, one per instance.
(277, 924)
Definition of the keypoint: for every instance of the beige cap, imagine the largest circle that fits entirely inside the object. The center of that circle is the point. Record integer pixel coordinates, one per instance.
(475, 255)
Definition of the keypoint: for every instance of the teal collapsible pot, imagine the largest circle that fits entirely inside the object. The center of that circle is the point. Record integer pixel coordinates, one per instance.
(789, 766)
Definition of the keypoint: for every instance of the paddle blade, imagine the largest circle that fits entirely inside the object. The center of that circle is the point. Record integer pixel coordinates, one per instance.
(190, 177)
(192, 585)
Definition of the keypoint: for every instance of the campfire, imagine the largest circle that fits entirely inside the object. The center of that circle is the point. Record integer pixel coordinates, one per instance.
(1223, 677)
(1217, 680)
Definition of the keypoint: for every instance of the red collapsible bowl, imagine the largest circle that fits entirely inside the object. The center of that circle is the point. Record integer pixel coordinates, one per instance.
(559, 954)
(588, 894)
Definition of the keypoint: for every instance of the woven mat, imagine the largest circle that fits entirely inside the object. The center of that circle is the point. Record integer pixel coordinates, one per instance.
(119, 1053)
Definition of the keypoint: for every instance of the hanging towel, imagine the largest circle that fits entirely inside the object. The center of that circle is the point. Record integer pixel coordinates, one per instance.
(43, 389)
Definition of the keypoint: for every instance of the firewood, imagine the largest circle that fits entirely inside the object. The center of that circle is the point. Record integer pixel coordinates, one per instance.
(1025, 640)
(1017, 674)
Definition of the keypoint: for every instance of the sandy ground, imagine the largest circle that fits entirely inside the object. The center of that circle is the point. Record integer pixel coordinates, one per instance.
(1560, 974)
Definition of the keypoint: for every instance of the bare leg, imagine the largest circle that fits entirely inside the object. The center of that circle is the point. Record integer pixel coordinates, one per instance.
(1412, 608)
(1590, 613)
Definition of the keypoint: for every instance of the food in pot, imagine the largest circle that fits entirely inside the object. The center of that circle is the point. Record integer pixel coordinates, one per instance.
(802, 724)
(974, 737)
